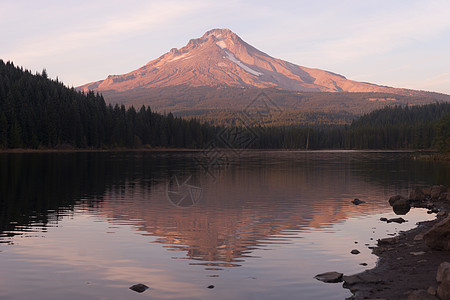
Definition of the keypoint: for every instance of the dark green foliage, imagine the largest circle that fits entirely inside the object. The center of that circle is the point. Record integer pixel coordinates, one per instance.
(394, 127)
(36, 112)
(443, 134)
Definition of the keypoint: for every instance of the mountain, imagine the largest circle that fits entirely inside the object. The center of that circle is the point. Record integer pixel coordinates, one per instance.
(219, 61)
(220, 57)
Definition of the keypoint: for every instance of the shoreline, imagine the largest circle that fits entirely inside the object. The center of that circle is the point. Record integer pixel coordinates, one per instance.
(405, 264)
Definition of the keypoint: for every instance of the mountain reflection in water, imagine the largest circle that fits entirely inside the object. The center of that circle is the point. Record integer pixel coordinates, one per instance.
(278, 201)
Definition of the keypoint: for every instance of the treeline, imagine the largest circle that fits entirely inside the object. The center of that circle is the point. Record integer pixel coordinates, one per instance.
(36, 112)
(397, 127)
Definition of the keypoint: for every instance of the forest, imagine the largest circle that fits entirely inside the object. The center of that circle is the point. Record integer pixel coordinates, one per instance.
(37, 112)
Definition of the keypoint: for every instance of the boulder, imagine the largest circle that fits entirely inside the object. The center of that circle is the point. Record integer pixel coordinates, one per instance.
(396, 198)
(355, 251)
(417, 194)
(358, 202)
(437, 190)
(401, 206)
(427, 191)
(396, 220)
(443, 272)
(330, 277)
(438, 237)
(443, 291)
(140, 288)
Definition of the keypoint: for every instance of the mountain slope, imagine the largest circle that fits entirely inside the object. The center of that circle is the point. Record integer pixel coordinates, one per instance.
(220, 57)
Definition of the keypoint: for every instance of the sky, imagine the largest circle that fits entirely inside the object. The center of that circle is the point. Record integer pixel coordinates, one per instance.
(397, 43)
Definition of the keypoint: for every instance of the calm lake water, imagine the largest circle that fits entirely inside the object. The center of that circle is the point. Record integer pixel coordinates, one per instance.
(256, 226)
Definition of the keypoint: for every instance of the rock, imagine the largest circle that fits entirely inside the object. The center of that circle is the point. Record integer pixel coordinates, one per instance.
(427, 191)
(330, 277)
(417, 194)
(358, 202)
(378, 250)
(355, 251)
(210, 286)
(360, 278)
(140, 287)
(418, 237)
(443, 196)
(363, 264)
(417, 253)
(383, 219)
(443, 291)
(420, 295)
(438, 237)
(396, 198)
(431, 290)
(443, 272)
(396, 220)
(442, 214)
(401, 206)
(448, 197)
(437, 190)
(387, 241)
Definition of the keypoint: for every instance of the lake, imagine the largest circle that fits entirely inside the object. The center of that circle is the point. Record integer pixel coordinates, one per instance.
(250, 225)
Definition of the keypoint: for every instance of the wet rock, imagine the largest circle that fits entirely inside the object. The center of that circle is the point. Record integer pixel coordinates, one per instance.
(438, 237)
(437, 190)
(358, 202)
(383, 219)
(387, 241)
(443, 272)
(363, 264)
(420, 295)
(210, 286)
(396, 220)
(417, 194)
(330, 277)
(140, 287)
(355, 251)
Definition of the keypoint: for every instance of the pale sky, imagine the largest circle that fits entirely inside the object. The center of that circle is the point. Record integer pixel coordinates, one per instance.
(399, 43)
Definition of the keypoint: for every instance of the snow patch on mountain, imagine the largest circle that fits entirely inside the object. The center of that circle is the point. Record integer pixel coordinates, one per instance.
(230, 56)
(221, 44)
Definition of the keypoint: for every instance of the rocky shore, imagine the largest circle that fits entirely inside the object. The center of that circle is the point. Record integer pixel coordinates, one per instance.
(409, 262)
